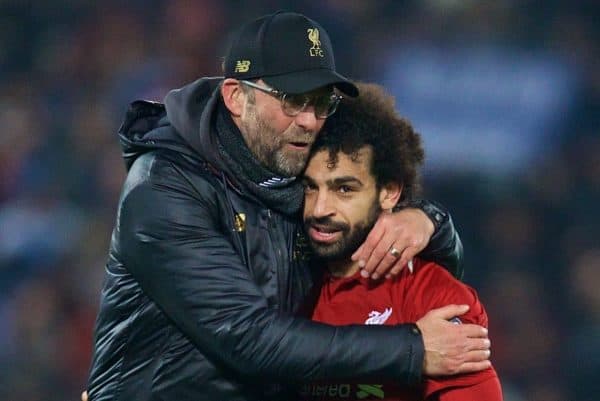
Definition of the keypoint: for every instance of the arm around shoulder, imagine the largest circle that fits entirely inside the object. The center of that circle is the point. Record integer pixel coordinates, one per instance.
(172, 242)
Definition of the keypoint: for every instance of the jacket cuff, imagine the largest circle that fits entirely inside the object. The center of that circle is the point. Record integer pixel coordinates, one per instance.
(414, 373)
(445, 247)
(436, 212)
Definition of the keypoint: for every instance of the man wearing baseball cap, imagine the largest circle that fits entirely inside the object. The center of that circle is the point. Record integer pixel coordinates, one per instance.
(207, 272)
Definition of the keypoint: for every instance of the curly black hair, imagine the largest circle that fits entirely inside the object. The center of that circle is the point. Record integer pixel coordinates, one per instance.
(372, 119)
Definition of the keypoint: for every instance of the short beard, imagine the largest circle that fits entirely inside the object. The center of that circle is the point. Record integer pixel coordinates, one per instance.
(267, 146)
(350, 240)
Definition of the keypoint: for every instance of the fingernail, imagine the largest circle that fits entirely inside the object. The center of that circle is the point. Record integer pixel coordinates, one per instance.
(361, 263)
(375, 276)
(388, 276)
(364, 273)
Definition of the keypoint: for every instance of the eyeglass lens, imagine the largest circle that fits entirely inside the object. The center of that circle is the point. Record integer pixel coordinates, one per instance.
(324, 105)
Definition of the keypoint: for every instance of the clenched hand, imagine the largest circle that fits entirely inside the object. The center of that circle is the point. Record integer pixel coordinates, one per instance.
(453, 348)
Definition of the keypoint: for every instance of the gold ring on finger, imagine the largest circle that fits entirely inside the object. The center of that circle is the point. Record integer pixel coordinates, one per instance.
(395, 253)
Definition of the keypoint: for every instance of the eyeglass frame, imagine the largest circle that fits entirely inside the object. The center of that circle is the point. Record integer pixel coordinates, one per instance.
(283, 95)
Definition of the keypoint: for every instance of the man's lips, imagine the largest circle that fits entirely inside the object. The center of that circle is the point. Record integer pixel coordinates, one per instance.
(320, 233)
(298, 145)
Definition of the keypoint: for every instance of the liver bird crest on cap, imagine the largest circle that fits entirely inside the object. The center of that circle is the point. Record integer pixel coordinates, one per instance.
(313, 36)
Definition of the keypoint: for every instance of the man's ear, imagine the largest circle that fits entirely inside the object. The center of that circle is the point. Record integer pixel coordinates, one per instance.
(389, 195)
(233, 96)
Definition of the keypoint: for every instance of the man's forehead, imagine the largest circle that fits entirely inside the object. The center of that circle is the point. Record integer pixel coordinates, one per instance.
(321, 164)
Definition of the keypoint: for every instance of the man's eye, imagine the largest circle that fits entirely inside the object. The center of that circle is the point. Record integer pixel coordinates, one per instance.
(297, 101)
(344, 189)
(309, 187)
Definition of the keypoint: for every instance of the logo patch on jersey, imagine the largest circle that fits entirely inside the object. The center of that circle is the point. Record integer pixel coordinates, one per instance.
(378, 317)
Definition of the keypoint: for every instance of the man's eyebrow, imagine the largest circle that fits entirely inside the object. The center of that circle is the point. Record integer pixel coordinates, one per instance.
(345, 180)
(307, 180)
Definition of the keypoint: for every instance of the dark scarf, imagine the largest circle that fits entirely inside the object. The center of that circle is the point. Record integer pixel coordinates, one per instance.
(283, 194)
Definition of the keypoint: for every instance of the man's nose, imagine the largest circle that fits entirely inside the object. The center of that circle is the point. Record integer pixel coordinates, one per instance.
(307, 120)
(323, 205)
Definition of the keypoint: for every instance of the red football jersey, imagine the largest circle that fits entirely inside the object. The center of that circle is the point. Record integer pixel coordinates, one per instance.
(404, 299)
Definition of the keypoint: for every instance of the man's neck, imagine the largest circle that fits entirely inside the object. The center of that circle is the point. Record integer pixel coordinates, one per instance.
(343, 267)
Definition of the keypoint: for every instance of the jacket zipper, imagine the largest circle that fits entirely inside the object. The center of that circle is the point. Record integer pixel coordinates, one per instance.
(281, 267)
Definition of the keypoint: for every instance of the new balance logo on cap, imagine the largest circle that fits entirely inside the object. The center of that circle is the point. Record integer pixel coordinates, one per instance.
(242, 66)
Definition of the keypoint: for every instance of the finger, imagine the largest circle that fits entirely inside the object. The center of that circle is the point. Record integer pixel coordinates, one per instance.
(475, 356)
(478, 345)
(377, 245)
(473, 331)
(478, 356)
(84, 396)
(387, 263)
(403, 261)
(470, 367)
(356, 255)
(449, 311)
(370, 244)
(396, 269)
(408, 255)
(378, 256)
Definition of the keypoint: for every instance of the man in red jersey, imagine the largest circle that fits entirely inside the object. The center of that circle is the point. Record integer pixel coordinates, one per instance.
(365, 164)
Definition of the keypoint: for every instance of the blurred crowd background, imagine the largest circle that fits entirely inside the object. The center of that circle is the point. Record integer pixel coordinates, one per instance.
(505, 94)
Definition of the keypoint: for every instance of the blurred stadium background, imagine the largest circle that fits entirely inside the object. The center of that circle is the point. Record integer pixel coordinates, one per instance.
(505, 94)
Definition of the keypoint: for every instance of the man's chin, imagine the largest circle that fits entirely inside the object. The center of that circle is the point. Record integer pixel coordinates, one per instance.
(290, 164)
(330, 252)
(345, 246)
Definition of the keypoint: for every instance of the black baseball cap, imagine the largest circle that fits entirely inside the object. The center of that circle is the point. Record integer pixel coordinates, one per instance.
(289, 51)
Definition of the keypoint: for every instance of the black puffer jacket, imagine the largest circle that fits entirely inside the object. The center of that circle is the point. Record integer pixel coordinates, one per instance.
(202, 281)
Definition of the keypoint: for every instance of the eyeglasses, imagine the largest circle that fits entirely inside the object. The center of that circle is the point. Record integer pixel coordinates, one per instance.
(294, 104)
